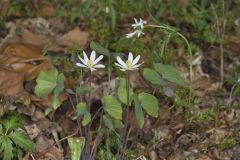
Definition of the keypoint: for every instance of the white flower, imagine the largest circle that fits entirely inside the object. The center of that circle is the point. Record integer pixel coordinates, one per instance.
(139, 24)
(130, 64)
(137, 32)
(138, 27)
(90, 63)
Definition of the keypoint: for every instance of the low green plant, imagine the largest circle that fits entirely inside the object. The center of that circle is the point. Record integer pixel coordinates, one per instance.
(116, 105)
(13, 138)
(48, 82)
(226, 142)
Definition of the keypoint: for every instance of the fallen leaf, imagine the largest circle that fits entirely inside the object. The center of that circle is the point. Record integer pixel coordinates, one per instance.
(203, 157)
(32, 130)
(11, 82)
(61, 43)
(24, 59)
(73, 37)
(47, 11)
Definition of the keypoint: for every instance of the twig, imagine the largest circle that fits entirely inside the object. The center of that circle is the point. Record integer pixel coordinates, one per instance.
(32, 157)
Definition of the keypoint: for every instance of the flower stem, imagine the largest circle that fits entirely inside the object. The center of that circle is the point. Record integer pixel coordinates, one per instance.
(189, 51)
(109, 73)
(88, 127)
(125, 137)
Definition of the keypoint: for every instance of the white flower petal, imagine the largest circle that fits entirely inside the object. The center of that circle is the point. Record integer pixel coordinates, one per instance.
(136, 66)
(139, 33)
(81, 65)
(93, 56)
(92, 69)
(82, 60)
(130, 35)
(130, 57)
(135, 61)
(119, 65)
(99, 66)
(98, 59)
(120, 61)
(85, 57)
(135, 19)
(121, 69)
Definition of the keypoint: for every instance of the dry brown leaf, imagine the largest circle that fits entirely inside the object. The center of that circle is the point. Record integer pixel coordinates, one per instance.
(24, 59)
(29, 37)
(203, 157)
(32, 130)
(47, 11)
(11, 82)
(73, 37)
(18, 63)
(57, 44)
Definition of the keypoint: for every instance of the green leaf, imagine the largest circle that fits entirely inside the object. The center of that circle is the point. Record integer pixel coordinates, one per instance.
(107, 120)
(13, 122)
(82, 90)
(168, 91)
(99, 49)
(138, 111)
(152, 76)
(118, 124)
(122, 91)
(1, 129)
(82, 111)
(57, 91)
(81, 108)
(6, 147)
(46, 82)
(113, 16)
(22, 141)
(169, 73)
(86, 7)
(86, 118)
(76, 145)
(149, 103)
(112, 107)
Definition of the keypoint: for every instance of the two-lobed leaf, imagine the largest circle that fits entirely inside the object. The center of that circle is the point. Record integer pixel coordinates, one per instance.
(112, 107)
(46, 82)
(169, 73)
(149, 103)
(138, 111)
(82, 111)
(122, 91)
(57, 91)
(153, 76)
(99, 49)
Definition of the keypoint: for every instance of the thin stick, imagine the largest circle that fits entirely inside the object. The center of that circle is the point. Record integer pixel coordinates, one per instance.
(32, 157)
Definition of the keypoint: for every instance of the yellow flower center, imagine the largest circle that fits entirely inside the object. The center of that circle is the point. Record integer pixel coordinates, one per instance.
(90, 64)
(129, 65)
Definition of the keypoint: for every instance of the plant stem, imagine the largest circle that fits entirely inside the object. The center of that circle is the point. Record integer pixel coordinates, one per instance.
(88, 127)
(220, 33)
(128, 100)
(124, 142)
(189, 51)
(109, 73)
